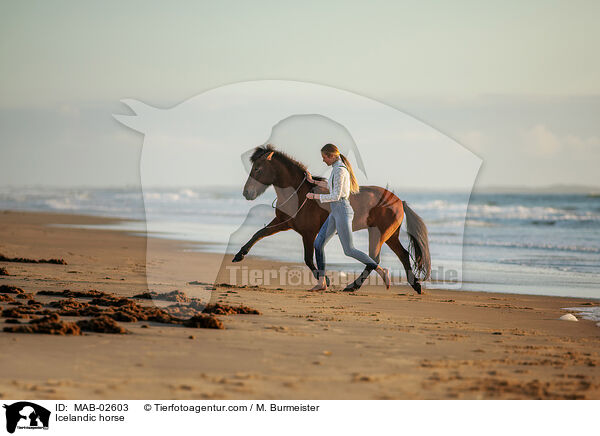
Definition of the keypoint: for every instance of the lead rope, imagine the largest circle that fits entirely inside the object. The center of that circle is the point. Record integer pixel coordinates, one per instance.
(290, 218)
(288, 199)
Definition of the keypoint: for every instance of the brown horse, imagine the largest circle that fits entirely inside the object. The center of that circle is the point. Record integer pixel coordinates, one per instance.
(375, 209)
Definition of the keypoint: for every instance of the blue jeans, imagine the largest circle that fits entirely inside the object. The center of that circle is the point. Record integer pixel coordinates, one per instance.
(339, 219)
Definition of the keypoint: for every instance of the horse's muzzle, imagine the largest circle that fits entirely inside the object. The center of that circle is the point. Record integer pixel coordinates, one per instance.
(249, 195)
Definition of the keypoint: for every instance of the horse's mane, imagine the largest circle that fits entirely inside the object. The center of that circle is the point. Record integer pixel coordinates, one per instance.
(264, 149)
(260, 151)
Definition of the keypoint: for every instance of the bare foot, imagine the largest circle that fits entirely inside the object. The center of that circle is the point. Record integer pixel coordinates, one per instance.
(385, 275)
(319, 287)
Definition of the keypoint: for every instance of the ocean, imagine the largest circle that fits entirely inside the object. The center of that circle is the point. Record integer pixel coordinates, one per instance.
(545, 244)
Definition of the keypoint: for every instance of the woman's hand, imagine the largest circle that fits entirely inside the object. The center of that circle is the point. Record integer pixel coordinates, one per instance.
(321, 183)
(311, 196)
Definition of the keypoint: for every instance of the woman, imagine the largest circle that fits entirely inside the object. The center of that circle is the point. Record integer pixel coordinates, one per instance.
(341, 184)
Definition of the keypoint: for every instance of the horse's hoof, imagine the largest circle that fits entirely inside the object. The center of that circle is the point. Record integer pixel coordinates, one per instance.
(349, 289)
(417, 288)
(238, 257)
(327, 281)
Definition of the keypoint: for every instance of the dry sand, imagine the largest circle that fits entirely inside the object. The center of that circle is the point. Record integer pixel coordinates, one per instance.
(376, 344)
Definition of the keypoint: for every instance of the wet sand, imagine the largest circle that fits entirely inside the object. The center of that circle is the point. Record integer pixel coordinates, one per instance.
(374, 344)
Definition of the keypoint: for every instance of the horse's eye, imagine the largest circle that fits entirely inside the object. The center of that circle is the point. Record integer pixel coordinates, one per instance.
(258, 169)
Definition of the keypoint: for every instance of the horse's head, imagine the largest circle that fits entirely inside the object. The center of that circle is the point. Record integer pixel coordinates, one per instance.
(262, 175)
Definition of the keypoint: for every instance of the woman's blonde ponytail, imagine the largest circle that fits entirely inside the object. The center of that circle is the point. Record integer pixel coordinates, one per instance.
(354, 188)
(332, 150)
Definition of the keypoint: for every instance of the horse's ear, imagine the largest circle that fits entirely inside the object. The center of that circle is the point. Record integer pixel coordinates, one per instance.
(270, 155)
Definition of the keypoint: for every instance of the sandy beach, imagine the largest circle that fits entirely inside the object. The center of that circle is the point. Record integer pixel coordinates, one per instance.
(374, 344)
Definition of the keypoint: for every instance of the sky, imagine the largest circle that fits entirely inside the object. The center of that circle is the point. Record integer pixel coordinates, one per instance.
(514, 82)
(209, 137)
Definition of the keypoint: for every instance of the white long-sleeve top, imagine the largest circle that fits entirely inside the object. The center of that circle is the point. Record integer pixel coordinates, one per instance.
(338, 183)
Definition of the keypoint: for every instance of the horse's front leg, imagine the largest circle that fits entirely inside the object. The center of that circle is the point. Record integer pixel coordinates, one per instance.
(309, 251)
(273, 227)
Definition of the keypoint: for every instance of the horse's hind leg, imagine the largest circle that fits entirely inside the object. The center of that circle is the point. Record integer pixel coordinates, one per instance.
(375, 243)
(376, 240)
(394, 243)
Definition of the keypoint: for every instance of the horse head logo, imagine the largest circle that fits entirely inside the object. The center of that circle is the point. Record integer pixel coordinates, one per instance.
(197, 144)
(26, 414)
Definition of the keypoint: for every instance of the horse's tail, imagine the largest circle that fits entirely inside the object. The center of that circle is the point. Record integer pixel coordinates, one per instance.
(418, 245)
